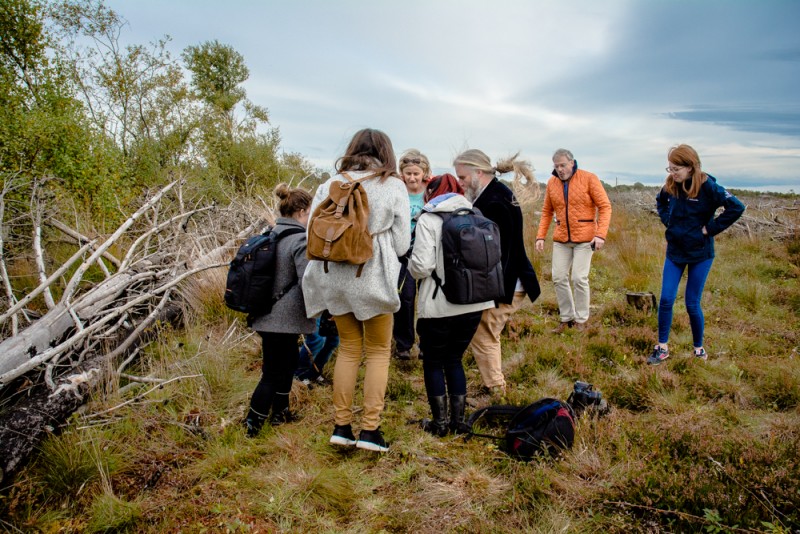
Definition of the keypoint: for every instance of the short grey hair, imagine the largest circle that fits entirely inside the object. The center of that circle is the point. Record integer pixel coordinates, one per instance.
(563, 152)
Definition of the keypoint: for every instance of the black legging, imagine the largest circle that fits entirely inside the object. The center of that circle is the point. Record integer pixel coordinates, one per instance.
(443, 341)
(279, 362)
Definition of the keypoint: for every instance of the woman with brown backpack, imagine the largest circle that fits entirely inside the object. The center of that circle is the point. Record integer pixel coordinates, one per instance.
(361, 295)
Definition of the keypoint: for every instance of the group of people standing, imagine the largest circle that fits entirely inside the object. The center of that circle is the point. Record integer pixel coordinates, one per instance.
(397, 288)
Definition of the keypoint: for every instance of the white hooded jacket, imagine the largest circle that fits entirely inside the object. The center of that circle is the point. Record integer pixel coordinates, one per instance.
(428, 255)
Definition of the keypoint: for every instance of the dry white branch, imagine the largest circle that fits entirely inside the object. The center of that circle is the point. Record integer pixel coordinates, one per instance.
(126, 261)
(52, 278)
(78, 276)
(38, 359)
(141, 395)
(39, 253)
(144, 325)
(142, 379)
(80, 239)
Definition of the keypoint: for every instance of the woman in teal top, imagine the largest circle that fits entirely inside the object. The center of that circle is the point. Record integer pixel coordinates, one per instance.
(415, 170)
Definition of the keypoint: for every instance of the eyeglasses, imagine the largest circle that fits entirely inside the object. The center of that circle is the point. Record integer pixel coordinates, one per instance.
(410, 161)
(675, 168)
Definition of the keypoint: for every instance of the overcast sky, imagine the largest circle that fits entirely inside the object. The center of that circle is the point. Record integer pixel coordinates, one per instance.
(617, 82)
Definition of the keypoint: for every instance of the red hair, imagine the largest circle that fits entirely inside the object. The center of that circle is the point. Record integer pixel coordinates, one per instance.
(442, 184)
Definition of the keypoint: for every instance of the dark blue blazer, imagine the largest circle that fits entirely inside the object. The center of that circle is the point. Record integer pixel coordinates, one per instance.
(497, 202)
(685, 217)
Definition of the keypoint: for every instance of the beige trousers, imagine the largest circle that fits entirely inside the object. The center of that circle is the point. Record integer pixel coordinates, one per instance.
(578, 257)
(486, 341)
(371, 339)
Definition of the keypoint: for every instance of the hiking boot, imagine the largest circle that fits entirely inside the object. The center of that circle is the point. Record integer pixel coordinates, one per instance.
(458, 423)
(283, 416)
(701, 354)
(581, 327)
(321, 381)
(659, 355)
(307, 383)
(372, 440)
(253, 423)
(343, 435)
(438, 425)
(563, 326)
(402, 354)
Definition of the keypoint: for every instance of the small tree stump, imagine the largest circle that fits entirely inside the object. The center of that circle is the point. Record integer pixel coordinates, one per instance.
(644, 301)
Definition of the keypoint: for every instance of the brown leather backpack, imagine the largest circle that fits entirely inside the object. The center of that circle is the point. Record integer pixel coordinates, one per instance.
(338, 230)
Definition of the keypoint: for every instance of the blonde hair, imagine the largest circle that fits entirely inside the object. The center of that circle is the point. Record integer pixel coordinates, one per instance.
(414, 154)
(292, 199)
(685, 156)
(526, 192)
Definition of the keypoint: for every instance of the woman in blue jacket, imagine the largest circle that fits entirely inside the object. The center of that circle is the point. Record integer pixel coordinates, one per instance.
(687, 205)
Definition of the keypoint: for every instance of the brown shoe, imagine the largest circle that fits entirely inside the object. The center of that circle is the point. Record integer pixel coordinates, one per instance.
(582, 327)
(563, 326)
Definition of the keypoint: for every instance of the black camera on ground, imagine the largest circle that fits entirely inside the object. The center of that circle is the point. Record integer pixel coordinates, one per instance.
(585, 398)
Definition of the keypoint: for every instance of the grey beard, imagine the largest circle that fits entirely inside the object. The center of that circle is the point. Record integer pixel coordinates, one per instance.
(471, 194)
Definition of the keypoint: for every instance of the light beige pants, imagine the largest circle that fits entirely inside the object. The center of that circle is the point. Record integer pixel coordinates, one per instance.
(572, 306)
(371, 339)
(486, 341)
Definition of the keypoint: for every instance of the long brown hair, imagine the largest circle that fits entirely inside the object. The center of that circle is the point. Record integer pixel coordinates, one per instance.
(292, 199)
(369, 150)
(685, 156)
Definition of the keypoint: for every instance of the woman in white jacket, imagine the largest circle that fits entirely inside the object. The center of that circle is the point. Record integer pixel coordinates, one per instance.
(445, 329)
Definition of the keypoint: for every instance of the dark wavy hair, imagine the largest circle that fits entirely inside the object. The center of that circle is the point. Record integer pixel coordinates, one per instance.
(292, 199)
(369, 150)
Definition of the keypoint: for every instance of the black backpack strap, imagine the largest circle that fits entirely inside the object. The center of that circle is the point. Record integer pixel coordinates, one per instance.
(445, 216)
(492, 414)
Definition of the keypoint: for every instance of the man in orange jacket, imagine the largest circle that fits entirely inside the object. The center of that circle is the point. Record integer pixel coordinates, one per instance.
(582, 213)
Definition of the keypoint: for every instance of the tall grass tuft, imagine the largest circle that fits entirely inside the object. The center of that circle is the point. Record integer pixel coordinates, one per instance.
(112, 514)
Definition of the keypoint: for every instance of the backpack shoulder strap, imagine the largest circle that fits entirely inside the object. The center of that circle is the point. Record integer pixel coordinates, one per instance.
(492, 414)
(287, 232)
(357, 180)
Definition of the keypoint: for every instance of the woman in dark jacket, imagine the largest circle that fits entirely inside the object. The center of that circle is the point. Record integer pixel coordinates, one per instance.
(280, 329)
(687, 205)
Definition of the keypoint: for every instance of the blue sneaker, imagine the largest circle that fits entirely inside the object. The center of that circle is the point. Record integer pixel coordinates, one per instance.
(659, 355)
(701, 354)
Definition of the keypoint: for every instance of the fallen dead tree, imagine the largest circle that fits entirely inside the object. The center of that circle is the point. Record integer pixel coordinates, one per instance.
(92, 331)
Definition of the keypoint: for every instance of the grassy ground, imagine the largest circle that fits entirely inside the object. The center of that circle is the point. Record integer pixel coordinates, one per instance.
(689, 446)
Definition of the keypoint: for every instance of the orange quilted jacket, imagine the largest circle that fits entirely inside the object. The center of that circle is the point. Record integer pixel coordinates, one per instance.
(582, 215)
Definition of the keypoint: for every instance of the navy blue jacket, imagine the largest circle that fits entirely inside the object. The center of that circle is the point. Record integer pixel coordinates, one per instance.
(498, 203)
(685, 217)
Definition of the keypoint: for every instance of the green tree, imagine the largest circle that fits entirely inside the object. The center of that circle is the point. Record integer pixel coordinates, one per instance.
(136, 94)
(232, 144)
(43, 131)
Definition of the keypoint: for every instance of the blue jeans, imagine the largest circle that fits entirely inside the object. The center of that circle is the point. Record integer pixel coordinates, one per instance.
(695, 282)
(315, 353)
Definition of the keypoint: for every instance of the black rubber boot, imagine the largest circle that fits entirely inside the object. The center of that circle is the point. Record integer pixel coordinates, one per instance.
(437, 426)
(458, 423)
(253, 423)
(281, 417)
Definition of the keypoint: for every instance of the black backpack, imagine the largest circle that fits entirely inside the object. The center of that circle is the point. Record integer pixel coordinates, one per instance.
(472, 258)
(546, 426)
(251, 276)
